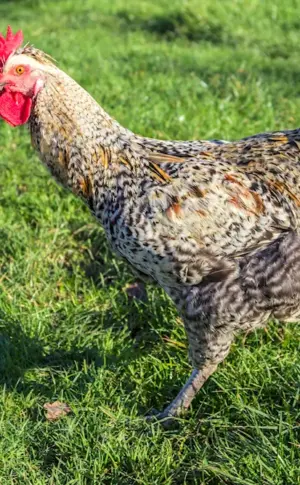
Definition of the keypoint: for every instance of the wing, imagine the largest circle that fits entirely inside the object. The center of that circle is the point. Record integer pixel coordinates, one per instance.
(228, 202)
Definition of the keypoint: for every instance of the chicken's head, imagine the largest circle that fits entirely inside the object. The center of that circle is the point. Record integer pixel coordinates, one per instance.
(21, 79)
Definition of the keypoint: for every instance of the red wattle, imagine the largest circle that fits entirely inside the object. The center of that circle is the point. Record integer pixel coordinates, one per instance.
(15, 108)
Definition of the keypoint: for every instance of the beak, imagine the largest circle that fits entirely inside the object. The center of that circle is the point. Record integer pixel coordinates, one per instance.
(2, 84)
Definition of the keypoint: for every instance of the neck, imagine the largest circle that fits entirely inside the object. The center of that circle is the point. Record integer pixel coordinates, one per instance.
(74, 112)
(77, 139)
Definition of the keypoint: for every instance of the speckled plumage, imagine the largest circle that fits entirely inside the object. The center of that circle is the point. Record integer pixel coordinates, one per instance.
(215, 224)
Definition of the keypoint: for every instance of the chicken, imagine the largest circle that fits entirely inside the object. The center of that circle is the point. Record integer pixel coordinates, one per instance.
(214, 224)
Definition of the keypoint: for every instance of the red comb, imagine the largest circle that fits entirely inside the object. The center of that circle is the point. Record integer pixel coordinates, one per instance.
(9, 44)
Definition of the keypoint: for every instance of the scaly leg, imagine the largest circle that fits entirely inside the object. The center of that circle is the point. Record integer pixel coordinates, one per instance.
(184, 398)
(206, 356)
(209, 343)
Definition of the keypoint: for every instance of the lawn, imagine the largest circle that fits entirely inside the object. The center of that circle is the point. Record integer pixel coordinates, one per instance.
(68, 331)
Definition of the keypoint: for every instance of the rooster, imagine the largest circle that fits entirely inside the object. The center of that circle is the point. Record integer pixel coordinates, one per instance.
(214, 224)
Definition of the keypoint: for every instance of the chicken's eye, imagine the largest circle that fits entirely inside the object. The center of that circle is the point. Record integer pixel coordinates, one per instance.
(20, 70)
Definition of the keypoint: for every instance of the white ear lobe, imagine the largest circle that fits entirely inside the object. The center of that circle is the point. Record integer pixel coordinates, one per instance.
(38, 86)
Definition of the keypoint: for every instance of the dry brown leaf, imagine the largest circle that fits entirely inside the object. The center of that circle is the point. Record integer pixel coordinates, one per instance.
(56, 410)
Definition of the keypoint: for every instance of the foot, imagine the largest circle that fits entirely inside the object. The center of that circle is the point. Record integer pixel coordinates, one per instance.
(165, 418)
(184, 398)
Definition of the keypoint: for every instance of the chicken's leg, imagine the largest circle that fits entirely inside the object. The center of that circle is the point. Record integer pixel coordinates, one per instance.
(206, 351)
(184, 398)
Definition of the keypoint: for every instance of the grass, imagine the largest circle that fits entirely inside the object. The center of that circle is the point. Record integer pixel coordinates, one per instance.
(67, 329)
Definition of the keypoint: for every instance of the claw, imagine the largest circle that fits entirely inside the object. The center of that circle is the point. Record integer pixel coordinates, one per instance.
(166, 419)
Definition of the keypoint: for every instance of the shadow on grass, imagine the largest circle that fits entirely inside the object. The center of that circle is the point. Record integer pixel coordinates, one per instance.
(182, 23)
(10, 9)
(23, 356)
(19, 353)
